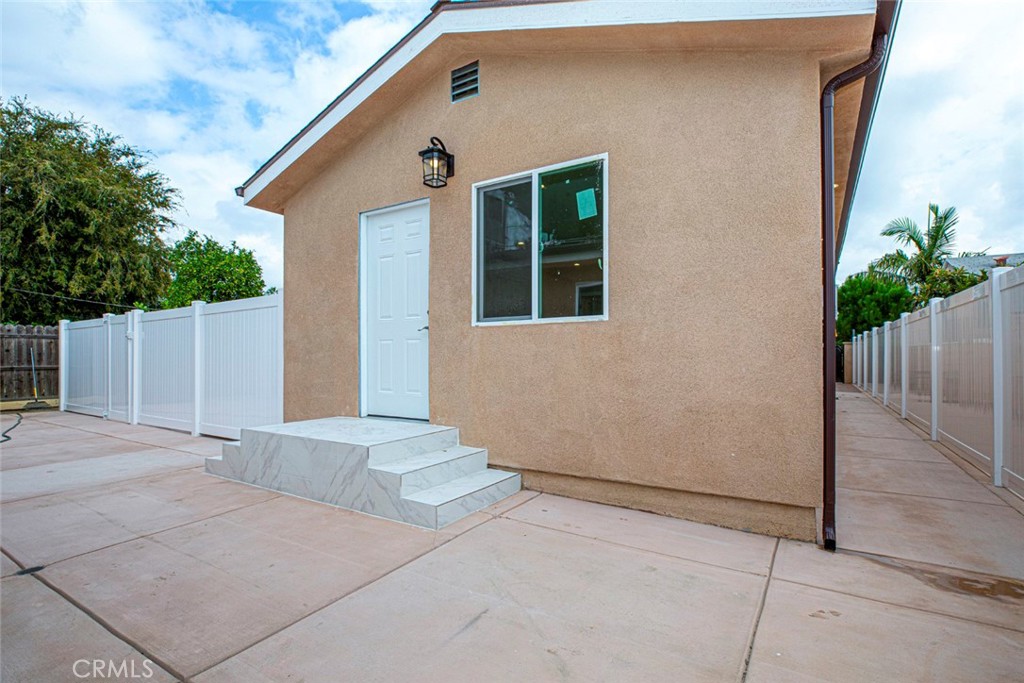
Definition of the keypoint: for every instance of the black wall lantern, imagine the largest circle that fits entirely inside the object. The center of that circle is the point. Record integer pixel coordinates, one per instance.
(438, 164)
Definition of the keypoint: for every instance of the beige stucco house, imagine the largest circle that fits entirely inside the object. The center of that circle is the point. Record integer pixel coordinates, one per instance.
(623, 275)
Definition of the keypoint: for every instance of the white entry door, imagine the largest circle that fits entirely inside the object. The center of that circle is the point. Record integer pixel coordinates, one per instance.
(395, 267)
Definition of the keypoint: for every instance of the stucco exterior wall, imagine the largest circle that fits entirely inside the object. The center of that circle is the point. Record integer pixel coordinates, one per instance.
(706, 377)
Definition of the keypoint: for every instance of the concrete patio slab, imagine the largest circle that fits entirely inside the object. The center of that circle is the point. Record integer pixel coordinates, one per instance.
(46, 529)
(855, 402)
(29, 434)
(351, 536)
(645, 531)
(932, 479)
(84, 422)
(15, 455)
(94, 425)
(973, 536)
(202, 592)
(7, 566)
(880, 447)
(512, 601)
(954, 592)
(42, 636)
(235, 583)
(876, 425)
(40, 480)
(180, 441)
(810, 634)
(140, 434)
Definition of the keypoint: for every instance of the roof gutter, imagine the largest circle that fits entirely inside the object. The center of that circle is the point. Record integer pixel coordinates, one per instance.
(828, 273)
(886, 18)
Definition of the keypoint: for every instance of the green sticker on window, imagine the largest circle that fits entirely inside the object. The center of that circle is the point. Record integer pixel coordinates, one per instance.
(586, 203)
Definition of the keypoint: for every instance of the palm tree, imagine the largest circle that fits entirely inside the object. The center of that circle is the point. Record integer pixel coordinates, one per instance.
(932, 247)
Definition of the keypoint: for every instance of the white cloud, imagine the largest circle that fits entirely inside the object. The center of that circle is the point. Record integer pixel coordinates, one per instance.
(211, 93)
(949, 130)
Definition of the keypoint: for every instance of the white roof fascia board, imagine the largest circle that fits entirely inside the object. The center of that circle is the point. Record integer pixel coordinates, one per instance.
(582, 13)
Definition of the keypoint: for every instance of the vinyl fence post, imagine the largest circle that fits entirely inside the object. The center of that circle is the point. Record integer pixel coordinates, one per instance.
(197, 365)
(134, 325)
(886, 360)
(856, 361)
(864, 352)
(856, 365)
(107, 352)
(280, 355)
(904, 363)
(860, 360)
(62, 363)
(129, 335)
(936, 341)
(998, 385)
(860, 357)
(874, 362)
(853, 340)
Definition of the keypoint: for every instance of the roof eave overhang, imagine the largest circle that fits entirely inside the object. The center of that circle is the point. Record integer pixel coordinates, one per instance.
(504, 15)
(885, 23)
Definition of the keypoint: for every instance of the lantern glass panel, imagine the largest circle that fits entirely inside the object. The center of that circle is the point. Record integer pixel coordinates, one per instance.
(435, 167)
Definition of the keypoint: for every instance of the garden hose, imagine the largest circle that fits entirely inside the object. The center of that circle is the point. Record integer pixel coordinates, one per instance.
(3, 437)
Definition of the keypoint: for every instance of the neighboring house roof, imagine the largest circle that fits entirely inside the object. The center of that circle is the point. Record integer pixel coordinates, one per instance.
(449, 18)
(984, 263)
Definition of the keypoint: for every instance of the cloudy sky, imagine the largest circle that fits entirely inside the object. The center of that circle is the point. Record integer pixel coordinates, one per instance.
(949, 129)
(212, 90)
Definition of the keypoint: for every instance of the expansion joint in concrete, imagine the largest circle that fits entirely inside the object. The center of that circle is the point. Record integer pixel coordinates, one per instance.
(760, 610)
(137, 646)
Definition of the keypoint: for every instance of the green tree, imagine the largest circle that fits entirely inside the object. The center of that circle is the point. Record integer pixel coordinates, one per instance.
(943, 282)
(81, 217)
(206, 270)
(930, 247)
(865, 301)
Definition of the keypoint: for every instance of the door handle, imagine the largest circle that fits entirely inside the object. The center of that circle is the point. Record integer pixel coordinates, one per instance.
(425, 327)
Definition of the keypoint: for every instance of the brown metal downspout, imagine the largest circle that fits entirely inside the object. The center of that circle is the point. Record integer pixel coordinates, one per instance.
(828, 268)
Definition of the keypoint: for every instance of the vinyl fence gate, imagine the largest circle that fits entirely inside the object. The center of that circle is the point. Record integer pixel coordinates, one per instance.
(206, 369)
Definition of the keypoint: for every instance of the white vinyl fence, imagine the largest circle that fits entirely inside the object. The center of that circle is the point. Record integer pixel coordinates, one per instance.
(207, 369)
(956, 369)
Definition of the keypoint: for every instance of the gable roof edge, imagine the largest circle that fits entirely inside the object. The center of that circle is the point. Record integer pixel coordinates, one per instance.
(498, 15)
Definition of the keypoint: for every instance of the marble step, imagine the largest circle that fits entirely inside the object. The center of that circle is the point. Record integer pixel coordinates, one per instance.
(222, 465)
(455, 499)
(217, 465)
(372, 439)
(412, 472)
(420, 472)
(419, 444)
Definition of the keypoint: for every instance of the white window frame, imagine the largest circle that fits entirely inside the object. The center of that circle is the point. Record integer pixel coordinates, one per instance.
(581, 285)
(534, 176)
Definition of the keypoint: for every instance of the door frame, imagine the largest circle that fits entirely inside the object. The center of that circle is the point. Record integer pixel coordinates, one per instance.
(363, 219)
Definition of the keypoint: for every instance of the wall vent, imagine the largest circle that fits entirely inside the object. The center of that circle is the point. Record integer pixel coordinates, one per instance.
(466, 82)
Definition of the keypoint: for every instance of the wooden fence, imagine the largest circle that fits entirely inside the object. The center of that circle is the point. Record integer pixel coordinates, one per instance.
(18, 342)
